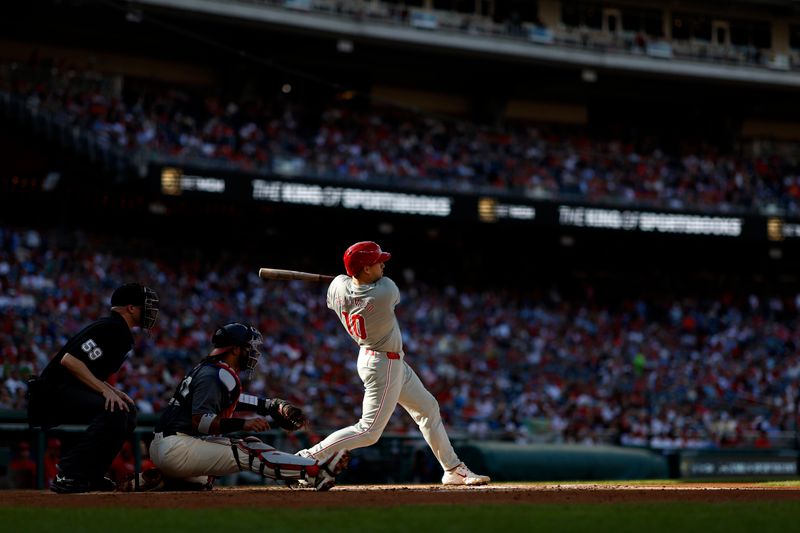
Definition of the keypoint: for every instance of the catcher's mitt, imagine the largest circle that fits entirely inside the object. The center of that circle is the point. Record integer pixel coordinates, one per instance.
(286, 415)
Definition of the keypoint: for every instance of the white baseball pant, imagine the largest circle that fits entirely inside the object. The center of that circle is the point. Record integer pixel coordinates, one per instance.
(193, 459)
(389, 380)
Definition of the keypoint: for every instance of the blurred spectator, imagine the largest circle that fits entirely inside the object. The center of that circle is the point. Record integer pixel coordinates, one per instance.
(22, 469)
(124, 465)
(762, 441)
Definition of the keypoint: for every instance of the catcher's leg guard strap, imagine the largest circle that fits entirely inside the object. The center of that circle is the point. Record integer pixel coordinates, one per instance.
(269, 462)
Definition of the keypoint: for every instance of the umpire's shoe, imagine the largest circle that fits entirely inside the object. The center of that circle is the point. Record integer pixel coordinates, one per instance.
(69, 485)
(326, 478)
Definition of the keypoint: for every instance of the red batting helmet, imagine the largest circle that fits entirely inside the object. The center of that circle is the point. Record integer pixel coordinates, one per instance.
(361, 254)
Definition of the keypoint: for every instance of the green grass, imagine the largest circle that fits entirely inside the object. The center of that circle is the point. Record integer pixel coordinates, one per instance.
(785, 483)
(666, 517)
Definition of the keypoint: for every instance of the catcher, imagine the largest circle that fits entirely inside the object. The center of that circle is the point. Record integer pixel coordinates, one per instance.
(190, 448)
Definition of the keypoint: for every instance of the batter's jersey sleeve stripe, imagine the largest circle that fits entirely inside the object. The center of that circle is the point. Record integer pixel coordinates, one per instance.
(377, 413)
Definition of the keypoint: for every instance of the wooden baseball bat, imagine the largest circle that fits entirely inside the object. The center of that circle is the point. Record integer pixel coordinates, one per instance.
(276, 273)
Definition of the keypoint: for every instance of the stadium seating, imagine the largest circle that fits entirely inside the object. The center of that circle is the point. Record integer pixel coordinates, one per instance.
(668, 372)
(398, 147)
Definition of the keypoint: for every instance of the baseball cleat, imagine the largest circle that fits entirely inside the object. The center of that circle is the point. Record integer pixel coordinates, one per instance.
(461, 475)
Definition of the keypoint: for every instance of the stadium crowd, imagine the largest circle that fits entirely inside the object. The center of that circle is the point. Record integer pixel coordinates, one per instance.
(535, 366)
(350, 142)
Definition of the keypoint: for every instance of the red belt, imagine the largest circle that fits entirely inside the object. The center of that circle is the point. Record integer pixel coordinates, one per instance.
(390, 355)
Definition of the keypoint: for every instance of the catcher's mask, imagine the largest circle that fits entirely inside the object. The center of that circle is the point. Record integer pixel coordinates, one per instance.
(149, 308)
(140, 296)
(237, 334)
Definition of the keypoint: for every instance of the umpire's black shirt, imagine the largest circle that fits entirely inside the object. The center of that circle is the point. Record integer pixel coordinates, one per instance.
(102, 346)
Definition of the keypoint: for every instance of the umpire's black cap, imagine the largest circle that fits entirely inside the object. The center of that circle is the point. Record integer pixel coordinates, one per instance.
(128, 294)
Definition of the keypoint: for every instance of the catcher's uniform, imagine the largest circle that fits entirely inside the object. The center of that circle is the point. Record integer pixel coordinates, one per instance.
(367, 313)
(180, 452)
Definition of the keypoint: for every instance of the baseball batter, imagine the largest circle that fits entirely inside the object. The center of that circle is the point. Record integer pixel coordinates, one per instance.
(364, 302)
(190, 446)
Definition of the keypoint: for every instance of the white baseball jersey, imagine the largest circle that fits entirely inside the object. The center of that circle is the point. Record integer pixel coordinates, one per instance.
(367, 312)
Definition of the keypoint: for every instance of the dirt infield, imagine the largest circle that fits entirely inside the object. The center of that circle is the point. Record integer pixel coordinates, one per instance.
(394, 495)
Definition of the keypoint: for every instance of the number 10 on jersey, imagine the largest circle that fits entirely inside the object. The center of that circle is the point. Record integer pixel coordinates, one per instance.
(355, 325)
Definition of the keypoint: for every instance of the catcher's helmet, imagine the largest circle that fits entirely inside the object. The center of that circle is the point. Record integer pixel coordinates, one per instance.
(363, 254)
(236, 334)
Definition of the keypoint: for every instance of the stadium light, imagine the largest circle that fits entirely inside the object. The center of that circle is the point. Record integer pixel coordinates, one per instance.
(345, 46)
(588, 75)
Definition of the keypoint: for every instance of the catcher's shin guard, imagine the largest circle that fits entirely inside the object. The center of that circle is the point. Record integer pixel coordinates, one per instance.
(328, 470)
(252, 454)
